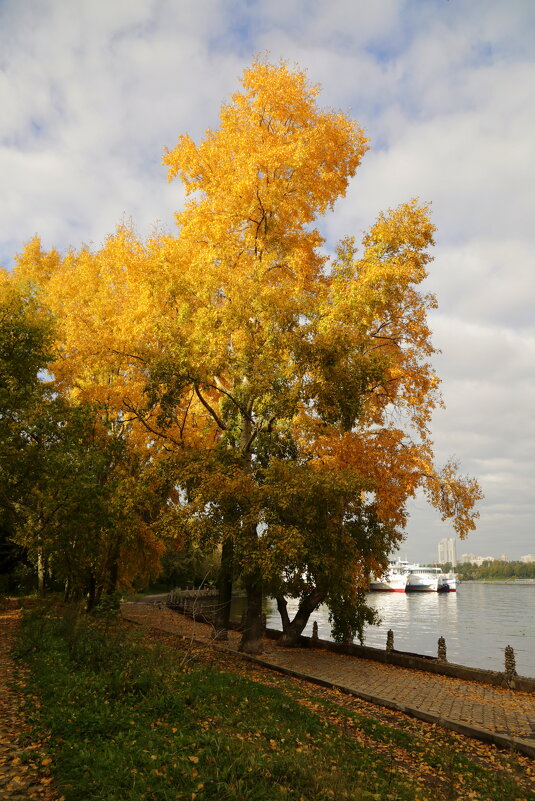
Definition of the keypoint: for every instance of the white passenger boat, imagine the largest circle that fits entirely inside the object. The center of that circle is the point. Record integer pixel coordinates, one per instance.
(401, 576)
(422, 578)
(447, 582)
(394, 579)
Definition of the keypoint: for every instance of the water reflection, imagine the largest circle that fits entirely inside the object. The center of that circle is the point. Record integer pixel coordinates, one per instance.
(477, 623)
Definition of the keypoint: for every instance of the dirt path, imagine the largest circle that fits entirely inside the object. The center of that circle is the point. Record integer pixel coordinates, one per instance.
(24, 764)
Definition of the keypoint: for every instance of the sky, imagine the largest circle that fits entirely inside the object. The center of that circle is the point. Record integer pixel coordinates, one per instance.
(92, 91)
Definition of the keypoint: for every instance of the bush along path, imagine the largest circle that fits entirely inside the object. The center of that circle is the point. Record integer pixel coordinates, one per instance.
(137, 714)
(25, 766)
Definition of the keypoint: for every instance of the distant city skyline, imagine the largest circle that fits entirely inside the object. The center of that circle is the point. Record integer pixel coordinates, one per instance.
(474, 559)
(442, 556)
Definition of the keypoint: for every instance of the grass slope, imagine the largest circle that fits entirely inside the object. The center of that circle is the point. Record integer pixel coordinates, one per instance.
(130, 717)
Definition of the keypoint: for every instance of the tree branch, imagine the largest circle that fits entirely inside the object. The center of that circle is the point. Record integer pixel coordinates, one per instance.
(209, 409)
(241, 408)
(130, 355)
(156, 432)
(251, 440)
(181, 427)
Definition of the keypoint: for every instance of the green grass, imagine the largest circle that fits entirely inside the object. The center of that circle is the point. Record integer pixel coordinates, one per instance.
(128, 719)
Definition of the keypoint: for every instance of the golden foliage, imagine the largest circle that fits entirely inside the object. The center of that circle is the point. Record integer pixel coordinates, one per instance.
(240, 331)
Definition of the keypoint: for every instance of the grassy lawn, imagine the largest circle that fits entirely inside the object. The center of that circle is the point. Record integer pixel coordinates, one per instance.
(131, 716)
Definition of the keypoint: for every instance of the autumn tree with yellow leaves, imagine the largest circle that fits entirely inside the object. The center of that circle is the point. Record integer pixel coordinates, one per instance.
(75, 502)
(293, 390)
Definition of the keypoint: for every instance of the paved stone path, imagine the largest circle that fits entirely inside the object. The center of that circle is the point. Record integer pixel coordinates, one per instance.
(493, 714)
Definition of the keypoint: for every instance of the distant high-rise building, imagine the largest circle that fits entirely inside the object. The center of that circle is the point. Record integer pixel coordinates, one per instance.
(529, 557)
(468, 559)
(447, 551)
(471, 558)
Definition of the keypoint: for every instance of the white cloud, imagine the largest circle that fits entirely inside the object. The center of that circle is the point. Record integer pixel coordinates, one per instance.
(94, 92)
(489, 280)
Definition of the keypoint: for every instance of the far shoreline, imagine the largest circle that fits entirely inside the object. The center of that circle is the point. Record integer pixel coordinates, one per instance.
(512, 582)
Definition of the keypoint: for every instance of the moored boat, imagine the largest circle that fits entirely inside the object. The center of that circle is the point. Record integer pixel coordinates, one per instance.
(422, 578)
(447, 582)
(394, 579)
(401, 576)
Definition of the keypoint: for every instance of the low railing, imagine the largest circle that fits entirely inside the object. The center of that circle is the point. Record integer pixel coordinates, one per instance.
(201, 605)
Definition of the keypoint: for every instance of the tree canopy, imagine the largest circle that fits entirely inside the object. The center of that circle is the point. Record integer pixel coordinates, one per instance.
(74, 501)
(288, 393)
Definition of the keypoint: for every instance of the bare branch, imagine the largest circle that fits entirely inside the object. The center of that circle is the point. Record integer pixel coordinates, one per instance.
(129, 355)
(156, 432)
(209, 409)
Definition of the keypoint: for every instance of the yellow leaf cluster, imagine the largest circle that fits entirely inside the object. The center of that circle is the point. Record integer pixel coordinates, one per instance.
(239, 332)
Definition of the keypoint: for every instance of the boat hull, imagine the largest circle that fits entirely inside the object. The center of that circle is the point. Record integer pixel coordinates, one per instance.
(424, 587)
(393, 580)
(378, 586)
(422, 578)
(447, 582)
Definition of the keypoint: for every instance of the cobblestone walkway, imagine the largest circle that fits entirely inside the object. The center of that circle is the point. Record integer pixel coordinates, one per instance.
(493, 714)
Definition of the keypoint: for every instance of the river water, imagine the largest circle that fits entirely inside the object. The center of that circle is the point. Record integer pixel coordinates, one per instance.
(477, 622)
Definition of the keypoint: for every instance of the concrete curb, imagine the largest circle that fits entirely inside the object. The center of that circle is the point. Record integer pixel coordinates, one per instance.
(429, 664)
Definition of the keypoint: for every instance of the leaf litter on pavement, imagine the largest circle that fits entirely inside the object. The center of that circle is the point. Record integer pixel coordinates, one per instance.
(443, 764)
(25, 767)
(423, 751)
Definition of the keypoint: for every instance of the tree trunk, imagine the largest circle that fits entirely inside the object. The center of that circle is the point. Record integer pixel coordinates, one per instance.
(113, 576)
(251, 641)
(224, 599)
(113, 563)
(40, 571)
(292, 629)
(91, 594)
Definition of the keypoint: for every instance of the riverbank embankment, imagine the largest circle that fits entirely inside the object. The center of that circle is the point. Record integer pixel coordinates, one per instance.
(492, 714)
